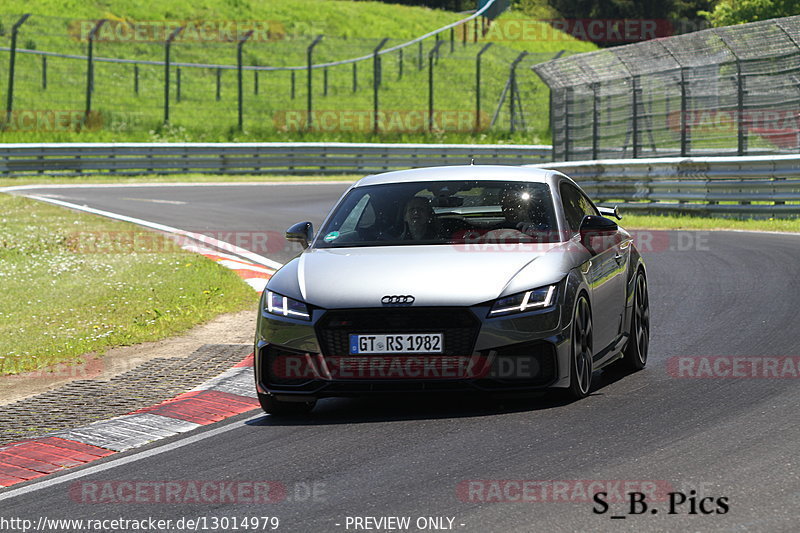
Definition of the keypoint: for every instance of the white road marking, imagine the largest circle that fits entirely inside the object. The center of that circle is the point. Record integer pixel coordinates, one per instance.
(258, 284)
(113, 463)
(34, 186)
(153, 200)
(168, 229)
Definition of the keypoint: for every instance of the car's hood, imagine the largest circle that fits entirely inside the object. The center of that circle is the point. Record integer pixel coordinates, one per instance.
(436, 275)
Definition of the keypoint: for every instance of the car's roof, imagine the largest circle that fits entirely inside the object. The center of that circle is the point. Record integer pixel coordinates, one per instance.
(459, 172)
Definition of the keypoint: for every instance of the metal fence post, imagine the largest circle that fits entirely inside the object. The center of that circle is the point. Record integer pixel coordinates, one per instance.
(293, 84)
(400, 65)
(177, 84)
(419, 56)
(255, 82)
(376, 82)
(741, 140)
(514, 91)
(552, 123)
(90, 69)
(167, 47)
(741, 133)
(567, 97)
(635, 115)
(325, 81)
(452, 40)
(355, 76)
(478, 85)
(11, 61)
(136, 79)
(595, 118)
(239, 73)
(684, 111)
(309, 95)
(431, 55)
(219, 83)
(44, 73)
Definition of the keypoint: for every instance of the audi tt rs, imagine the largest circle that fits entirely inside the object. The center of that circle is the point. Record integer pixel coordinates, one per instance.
(479, 279)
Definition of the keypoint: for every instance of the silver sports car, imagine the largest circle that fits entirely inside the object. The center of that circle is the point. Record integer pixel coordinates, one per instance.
(465, 278)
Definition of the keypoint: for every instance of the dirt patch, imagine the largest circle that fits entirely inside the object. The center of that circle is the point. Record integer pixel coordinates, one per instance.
(229, 329)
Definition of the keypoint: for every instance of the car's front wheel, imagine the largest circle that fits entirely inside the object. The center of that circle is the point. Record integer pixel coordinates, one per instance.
(275, 407)
(635, 355)
(580, 380)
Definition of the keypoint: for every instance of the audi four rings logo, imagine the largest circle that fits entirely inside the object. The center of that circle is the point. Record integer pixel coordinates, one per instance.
(398, 300)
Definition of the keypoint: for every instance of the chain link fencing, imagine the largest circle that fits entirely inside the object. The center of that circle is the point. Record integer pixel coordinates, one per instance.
(65, 74)
(723, 91)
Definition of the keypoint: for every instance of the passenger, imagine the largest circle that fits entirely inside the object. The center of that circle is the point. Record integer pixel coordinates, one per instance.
(420, 223)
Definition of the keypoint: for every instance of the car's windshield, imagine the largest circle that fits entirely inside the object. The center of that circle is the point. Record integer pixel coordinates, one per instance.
(442, 212)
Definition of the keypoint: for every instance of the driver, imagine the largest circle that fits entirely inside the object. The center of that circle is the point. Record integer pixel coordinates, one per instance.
(523, 212)
(420, 223)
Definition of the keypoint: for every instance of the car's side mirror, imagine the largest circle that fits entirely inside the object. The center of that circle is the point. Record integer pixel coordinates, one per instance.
(610, 212)
(302, 232)
(592, 227)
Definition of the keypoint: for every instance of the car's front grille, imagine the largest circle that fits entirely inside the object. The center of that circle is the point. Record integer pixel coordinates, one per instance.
(459, 326)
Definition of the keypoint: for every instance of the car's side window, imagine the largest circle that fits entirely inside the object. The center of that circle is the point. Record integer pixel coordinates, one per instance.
(363, 207)
(586, 205)
(576, 205)
(573, 210)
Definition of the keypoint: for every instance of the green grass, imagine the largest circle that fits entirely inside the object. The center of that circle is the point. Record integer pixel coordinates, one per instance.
(351, 29)
(791, 225)
(72, 285)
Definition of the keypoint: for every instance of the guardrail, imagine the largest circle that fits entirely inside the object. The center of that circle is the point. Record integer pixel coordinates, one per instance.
(754, 186)
(252, 158)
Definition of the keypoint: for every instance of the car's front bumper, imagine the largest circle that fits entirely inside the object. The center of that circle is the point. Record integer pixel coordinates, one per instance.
(522, 352)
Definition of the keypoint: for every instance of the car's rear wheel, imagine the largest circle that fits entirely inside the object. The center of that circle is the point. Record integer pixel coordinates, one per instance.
(580, 380)
(273, 406)
(635, 355)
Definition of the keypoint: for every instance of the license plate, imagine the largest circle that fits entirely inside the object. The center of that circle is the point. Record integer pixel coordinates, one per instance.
(399, 343)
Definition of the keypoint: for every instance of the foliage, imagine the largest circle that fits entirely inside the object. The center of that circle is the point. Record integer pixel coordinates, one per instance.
(614, 9)
(729, 12)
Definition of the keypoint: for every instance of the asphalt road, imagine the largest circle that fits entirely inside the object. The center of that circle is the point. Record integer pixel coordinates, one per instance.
(712, 294)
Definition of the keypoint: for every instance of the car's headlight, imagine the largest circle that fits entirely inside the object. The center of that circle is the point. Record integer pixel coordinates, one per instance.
(277, 304)
(524, 301)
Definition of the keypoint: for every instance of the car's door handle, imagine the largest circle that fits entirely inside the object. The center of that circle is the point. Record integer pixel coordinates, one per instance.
(619, 258)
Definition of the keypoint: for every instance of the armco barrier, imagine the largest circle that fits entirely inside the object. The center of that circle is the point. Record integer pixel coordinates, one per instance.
(754, 186)
(252, 158)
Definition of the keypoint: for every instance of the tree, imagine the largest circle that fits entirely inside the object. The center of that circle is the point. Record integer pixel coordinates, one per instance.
(452, 5)
(728, 12)
(630, 9)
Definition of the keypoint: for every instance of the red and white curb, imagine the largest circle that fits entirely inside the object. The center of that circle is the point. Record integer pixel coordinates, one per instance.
(229, 394)
(254, 275)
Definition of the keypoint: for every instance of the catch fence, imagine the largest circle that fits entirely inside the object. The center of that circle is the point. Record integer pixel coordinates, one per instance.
(724, 91)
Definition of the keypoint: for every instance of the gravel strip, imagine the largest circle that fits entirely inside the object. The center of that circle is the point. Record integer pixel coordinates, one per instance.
(82, 402)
